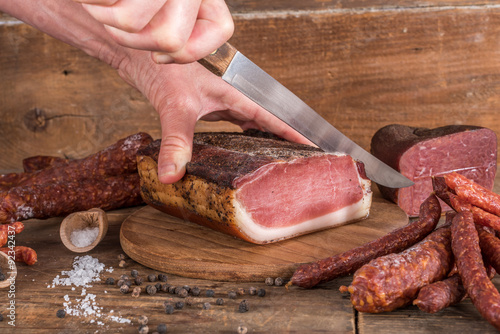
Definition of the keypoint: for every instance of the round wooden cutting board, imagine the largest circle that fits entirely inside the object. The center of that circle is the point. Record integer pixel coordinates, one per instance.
(171, 245)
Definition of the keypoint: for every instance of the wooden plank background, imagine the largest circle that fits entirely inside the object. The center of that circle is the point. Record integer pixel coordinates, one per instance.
(360, 64)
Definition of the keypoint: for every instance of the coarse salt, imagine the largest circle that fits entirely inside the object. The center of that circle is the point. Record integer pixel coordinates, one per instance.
(86, 270)
(84, 237)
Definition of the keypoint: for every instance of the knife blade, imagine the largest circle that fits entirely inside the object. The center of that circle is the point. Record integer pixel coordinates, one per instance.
(260, 87)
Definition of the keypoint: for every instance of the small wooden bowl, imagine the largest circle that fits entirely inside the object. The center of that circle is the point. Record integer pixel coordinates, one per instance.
(8, 269)
(81, 220)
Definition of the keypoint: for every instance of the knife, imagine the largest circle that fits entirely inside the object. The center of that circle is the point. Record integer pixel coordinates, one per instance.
(256, 84)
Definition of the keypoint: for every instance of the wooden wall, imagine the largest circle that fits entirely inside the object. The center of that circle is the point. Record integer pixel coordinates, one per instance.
(361, 64)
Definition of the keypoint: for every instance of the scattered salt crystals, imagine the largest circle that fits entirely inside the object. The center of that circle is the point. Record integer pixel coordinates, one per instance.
(84, 237)
(86, 270)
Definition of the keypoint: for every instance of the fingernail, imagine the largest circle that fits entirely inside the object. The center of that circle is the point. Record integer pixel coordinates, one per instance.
(162, 58)
(168, 169)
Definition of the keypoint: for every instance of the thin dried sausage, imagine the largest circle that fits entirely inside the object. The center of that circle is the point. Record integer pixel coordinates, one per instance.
(62, 198)
(394, 280)
(439, 295)
(490, 247)
(465, 245)
(309, 275)
(481, 217)
(21, 254)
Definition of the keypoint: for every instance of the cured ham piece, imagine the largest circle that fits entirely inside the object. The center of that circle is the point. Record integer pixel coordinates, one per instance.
(258, 188)
(420, 153)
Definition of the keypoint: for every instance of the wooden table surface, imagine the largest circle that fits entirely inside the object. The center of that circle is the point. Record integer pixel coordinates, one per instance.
(320, 310)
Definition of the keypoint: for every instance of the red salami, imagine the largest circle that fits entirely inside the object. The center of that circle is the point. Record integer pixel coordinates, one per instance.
(309, 275)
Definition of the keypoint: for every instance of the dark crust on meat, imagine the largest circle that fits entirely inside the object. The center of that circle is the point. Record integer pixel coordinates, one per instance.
(224, 156)
(391, 141)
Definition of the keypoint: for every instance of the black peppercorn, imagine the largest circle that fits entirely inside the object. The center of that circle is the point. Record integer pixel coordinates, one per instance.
(152, 278)
(219, 301)
(171, 289)
(231, 295)
(261, 293)
(269, 281)
(165, 287)
(162, 277)
(182, 293)
(138, 280)
(143, 320)
(158, 286)
(243, 307)
(187, 287)
(134, 273)
(2, 277)
(169, 308)
(110, 281)
(124, 289)
(124, 277)
(151, 289)
(278, 281)
(206, 306)
(195, 291)
(161, 328)
(179, 305)
(252, 291)
(210, 293)
(61, 313)
(128, 282)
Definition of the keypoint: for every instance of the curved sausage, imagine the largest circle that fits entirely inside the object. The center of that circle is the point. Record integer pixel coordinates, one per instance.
(309, 275)
(465, 245)
(394, 280)
(439, 295)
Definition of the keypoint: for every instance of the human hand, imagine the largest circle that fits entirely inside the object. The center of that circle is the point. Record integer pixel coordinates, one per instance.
(183, 94)
(180, 31)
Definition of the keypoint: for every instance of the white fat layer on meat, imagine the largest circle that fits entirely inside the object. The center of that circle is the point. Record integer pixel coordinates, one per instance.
(262, 234)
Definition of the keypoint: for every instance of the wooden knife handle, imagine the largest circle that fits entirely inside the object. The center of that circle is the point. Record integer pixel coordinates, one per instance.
(218, 61)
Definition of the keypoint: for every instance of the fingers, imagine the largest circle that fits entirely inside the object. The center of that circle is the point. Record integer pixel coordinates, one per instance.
(180, 31)
(176, 143)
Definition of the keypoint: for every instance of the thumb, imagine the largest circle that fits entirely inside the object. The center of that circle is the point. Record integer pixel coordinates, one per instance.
(176, 145)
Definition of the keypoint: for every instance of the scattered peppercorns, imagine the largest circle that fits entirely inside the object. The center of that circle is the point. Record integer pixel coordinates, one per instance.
(231, 295)
(60, 313)
(179, 305)
(243, 307)
(161, 328)
(171, 289)
(136, 292)
(242, 330)
(252, 291)
(124, 289)
(138, 280)
(162, 277)
(110, 281)
(143, 320)
(124, 277)
(2, 276)
(241, 291)
(261, 293)
(152, 278)
(165, 287)
(143, 329)
(195, 291)
(134, 273)
(206, 306)
(219, 301)
(210, 293)
(150, 289)
(278, 281)
(269, 281)
(183, 293)
(169, 308)
(158, 286)
(127, 282)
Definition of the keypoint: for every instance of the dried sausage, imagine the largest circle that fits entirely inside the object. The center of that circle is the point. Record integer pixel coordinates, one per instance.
(465, 245)
(473, 193)
(439, 295)
(21, 254)
(39, 162)
(490, 248)
(62, 198)
(311, 274)
(394, 280)
(481, 217)
(9, 229)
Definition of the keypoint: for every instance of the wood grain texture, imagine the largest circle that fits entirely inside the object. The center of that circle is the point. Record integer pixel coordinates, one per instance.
(360, 65)
(179, 247)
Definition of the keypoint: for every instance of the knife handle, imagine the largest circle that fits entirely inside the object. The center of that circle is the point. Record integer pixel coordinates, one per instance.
(218, 61)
